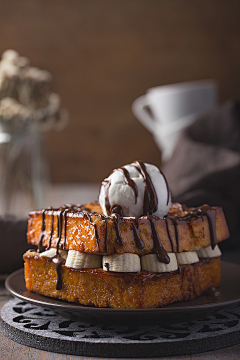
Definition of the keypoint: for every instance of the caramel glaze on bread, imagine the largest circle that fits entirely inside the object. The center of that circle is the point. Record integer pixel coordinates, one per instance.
(86, 229)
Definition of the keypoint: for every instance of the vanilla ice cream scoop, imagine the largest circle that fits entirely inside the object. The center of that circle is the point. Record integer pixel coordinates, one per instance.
(135, 190)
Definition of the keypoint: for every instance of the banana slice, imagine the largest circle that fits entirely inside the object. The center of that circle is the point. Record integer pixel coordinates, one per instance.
(79, 260)
(208, 252)
(31, 253)
(151, 263)
(187, 257)
(52, 252)
(122, 263)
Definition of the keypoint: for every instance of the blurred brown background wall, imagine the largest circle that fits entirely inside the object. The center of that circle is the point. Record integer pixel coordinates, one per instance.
(105, 53)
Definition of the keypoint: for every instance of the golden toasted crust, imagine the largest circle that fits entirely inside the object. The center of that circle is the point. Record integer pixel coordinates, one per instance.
(122, 290)
(98, 234)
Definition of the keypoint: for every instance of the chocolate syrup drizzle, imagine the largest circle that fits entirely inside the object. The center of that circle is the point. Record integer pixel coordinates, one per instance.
(138, 240)
(42, 234)
(115, 217)
(116, 213)
(169, 234)
(168, 191)
(150, 203)
(158, 249)
(58, 262)
(51, 233)
(61, 213)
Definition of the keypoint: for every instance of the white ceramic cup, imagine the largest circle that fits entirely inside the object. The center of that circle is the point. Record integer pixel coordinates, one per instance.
(172, 108)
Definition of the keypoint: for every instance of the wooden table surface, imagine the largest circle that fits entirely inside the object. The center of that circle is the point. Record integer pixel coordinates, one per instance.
(10, 350)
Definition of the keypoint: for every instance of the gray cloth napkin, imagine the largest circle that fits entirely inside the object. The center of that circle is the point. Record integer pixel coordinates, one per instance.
(205, 166)
(13, 242)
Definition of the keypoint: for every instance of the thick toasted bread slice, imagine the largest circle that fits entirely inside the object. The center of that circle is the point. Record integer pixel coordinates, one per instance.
(87, 230)
(122, 290)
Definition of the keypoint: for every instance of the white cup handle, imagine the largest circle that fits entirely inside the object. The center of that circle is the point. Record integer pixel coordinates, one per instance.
(139, 110)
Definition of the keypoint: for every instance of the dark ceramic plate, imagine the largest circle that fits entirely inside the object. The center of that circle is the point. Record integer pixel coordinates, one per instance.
(201, 307)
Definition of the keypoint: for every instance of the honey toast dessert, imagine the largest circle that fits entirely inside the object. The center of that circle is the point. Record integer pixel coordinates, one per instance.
(134, 249)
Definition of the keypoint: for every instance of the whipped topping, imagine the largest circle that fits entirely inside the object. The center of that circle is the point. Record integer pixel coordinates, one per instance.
(135, 190)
